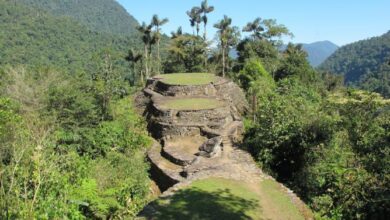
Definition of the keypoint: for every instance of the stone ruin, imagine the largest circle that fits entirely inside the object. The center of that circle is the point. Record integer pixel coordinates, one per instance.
(190, 141)
(196, 144)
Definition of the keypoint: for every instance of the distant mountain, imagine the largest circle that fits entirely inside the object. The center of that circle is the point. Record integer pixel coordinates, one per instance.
(319, 51)
(106, 16)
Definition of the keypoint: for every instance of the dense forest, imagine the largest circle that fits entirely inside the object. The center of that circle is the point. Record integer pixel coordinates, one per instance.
(43, 40)
(363, 64)
(72, 145)
(98, 15)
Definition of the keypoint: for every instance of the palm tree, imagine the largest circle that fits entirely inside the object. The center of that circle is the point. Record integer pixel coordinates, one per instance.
(195, 18)
(133, 58)
(157, 23)
(255, 27)
(147, 39)
(205, 9)
(223, 27)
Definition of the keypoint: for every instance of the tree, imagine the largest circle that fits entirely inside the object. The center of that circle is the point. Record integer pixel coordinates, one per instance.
(254, 79)
(228, 36)
(147, 39)
(295, 64)
(255, 27)
(133, 58)
(185, 54)
(274, 31)
(195, 18)
(157, 23)
(205, 9)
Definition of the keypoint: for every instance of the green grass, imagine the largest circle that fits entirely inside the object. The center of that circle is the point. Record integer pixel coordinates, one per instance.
(191, 104)
(210, 199)
(188, 78)
(275, 195)
(217, 198)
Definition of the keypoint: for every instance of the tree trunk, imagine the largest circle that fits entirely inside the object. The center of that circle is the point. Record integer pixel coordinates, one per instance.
(146, 61)
(223, 61)
(254, 105)
(205, 32)
(205, 50)
(158, 57)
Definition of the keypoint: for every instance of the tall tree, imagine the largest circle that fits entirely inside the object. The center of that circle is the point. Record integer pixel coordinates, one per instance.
(133, 58)
(228, 36)
(157, 23)
(255, 27)
(195, 18)
(205, 9)
(274, 31)
(147, 38)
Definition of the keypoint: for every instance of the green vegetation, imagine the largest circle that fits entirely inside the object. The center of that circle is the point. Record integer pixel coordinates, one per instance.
(364, 64)
(41, 40)
(72, 146)
(192, 104)
(188, 78)
(105, 16)
(329, 146)
(216, 198)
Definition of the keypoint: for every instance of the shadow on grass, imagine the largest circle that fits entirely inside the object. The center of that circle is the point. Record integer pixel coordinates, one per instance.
(198, 204)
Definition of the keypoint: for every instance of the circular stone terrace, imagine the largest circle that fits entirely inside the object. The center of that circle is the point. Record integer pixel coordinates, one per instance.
(187, 79)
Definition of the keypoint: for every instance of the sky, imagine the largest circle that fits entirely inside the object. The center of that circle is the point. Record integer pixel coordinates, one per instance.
(339, 21)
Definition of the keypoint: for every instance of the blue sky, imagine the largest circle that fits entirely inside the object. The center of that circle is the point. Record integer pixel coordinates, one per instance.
(340, 21)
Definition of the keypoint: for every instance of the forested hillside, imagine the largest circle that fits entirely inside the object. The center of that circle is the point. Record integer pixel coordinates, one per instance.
(71, 144)
(39, 39)
(363, 63)
(99, 15)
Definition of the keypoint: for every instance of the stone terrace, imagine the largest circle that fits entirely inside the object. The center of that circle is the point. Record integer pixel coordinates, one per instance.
(183, 118)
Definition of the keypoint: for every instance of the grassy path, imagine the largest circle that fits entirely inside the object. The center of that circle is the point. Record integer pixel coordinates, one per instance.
(219, 198)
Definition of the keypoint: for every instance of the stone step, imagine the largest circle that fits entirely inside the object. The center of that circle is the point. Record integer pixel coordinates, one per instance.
(182, 150)
(163, 171)
(177, 157)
